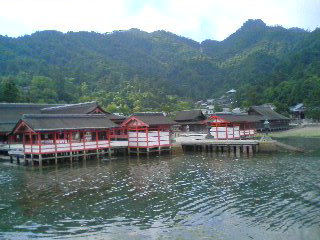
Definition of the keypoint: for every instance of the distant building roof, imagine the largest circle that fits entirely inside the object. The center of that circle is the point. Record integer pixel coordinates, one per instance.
(189, 115)
(10, 113)
(266, 112)
(78, 108)
(81, 108)
(236, 111)
(240, 117)
(51, 122)
(232, 91)
(148, 114)
(298, 108)
(6, 127)
(151, 119)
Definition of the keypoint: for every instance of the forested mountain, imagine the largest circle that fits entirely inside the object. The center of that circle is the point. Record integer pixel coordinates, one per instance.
(135, 70)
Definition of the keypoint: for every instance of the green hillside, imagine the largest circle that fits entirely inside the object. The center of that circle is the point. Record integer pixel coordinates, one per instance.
(134, 70)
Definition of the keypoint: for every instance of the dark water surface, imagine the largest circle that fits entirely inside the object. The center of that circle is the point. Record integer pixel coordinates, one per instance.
(190, 196)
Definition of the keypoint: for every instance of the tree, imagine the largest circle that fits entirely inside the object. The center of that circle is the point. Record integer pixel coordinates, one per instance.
(10, 93)
(43, 90)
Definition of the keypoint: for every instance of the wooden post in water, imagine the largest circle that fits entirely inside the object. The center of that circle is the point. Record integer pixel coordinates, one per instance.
(250, 150)
(231, 151)
(245, 150)
(237, 151)
(256, 148)
(225, 149)
(40, 160)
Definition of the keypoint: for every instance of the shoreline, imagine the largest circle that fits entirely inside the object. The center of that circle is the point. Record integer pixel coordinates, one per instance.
(302, 132)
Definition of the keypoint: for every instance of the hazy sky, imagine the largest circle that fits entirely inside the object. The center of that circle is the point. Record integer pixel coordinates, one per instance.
(196, 19)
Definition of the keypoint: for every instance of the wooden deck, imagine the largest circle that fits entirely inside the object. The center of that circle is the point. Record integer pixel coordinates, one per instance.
(198, 143)
(217, 142)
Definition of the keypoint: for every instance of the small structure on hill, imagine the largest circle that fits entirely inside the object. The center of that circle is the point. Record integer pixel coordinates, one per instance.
(148, 132)
(298, 111)
(191, 120)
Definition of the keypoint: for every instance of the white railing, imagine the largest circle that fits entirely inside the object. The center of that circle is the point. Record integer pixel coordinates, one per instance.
(61, 146)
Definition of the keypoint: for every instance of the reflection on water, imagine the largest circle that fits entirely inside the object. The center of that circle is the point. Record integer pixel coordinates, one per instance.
(187, 197)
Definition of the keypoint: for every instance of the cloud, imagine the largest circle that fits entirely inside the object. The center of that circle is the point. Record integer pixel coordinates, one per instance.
(199, 20)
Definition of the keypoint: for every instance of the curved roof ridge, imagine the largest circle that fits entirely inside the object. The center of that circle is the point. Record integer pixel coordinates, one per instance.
(69, 106)
(62, 115)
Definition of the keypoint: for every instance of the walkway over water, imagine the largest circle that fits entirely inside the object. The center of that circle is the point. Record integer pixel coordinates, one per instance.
(198, 142)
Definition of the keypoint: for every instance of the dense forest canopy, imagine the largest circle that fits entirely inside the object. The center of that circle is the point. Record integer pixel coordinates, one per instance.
(133, 70)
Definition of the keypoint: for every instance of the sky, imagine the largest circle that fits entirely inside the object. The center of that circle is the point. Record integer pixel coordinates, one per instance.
(195, 19)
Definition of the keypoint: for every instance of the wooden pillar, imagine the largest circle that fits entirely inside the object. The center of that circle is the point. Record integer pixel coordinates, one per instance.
(31, 143)
(137, 134)
(159, 141)
(40, 160)
(238, 151)
(147, 137)
(56, 148)
(147, 140)
(39, 142)
(108, 132)
(23, 145)
(244, 149)
(250, 150)
(226, 126)
(217, 136)
(231, 150)
(70, 140)
(84, 142)
(97, 142)
(225, 149)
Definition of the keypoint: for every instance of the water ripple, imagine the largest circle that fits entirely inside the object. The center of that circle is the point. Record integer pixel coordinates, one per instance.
(277, 194)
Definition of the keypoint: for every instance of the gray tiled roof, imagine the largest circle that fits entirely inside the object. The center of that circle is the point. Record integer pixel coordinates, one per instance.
(50, 122)
(267, 113)
(189, 115)
(154, 118)
(240, 117)
(7, 127)
(78, 108)
(10, 113)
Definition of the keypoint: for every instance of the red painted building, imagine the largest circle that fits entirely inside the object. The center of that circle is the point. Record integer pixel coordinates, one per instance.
(228, 126)
(148, 131)
(45, 134)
